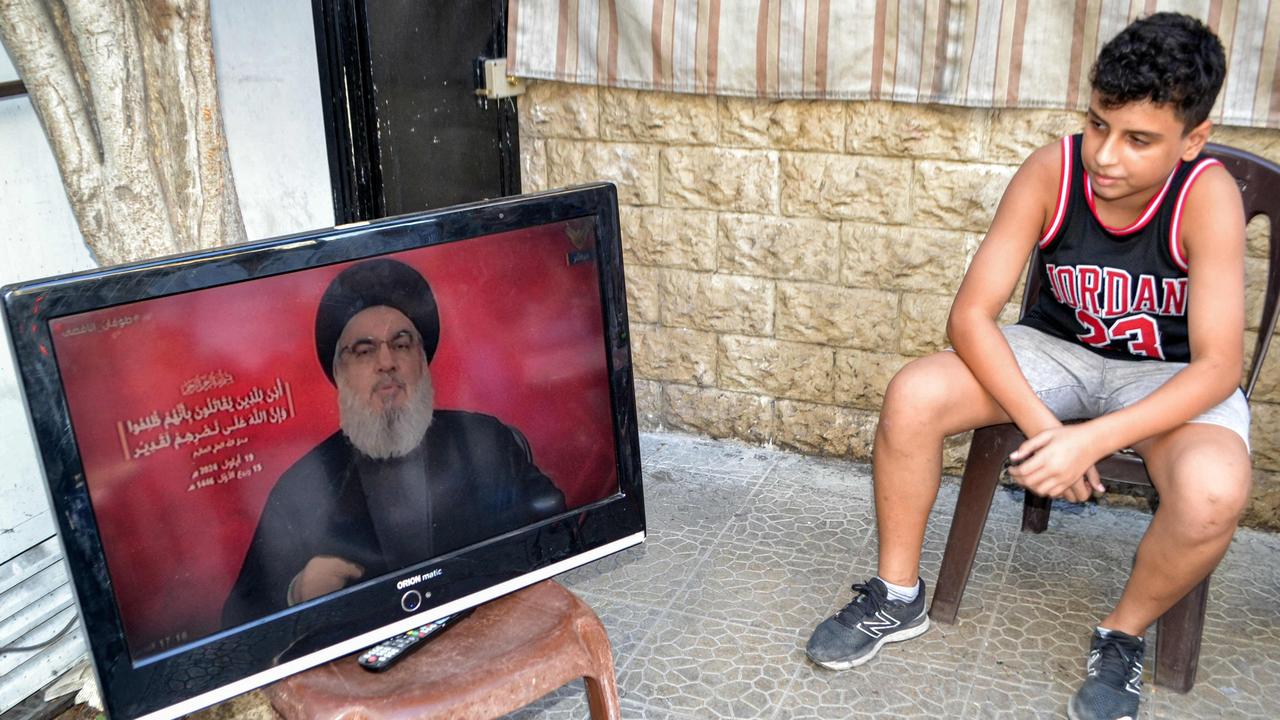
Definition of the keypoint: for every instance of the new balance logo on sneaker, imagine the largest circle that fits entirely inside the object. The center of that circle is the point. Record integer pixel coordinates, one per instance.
(1134, 685)
(874, 626)
(854, 635)
(1113, 678)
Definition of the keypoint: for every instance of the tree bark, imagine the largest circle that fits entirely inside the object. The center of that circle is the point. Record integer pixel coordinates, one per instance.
(127, 94)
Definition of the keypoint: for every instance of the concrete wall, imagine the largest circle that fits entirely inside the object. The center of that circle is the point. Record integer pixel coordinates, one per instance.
(270, 90)
(785, 259)
(38, 237)
(270, 93)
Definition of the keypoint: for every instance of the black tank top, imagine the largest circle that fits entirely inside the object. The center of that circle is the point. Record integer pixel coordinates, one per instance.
(1121, 292)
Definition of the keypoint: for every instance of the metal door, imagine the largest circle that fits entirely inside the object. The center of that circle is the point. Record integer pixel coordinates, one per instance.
(406, 130)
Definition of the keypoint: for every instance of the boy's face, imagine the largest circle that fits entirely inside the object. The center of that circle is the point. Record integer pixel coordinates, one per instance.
(1130, 150)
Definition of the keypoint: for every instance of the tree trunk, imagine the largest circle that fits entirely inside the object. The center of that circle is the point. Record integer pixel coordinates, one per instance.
(128, 97)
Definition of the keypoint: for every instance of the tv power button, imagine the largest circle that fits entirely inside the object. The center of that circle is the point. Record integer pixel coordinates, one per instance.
(411, 601)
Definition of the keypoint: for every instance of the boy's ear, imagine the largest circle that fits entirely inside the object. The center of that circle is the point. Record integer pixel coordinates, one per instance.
(1195, 139)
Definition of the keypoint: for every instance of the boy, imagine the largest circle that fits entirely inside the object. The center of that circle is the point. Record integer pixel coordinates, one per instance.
(1138, 326)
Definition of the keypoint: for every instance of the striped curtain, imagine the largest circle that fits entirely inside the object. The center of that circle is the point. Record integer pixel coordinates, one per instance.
(977, 53)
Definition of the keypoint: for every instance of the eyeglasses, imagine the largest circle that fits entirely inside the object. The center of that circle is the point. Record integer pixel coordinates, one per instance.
(364, 351)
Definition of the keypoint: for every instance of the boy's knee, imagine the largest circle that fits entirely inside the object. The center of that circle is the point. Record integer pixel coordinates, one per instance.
(1210, 490)
(918, 388)
(1213, 521)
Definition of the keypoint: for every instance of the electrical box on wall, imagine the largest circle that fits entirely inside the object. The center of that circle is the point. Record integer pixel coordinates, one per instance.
(497, 83)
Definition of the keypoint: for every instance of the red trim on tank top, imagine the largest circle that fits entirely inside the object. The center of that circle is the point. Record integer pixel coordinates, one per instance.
(1149, 212)
(1175, 227)
(1064, 192)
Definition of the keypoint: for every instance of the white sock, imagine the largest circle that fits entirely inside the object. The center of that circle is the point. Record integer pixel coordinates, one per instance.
(902, 593)
(1108, 631)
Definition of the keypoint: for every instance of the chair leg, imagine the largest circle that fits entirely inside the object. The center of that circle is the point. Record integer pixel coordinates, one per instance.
(987, 452)
(602, 697)
(1035, 512)
(601, 680)
(1178, 635)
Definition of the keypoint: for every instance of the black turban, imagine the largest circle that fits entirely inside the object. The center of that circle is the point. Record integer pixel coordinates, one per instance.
(370, 284)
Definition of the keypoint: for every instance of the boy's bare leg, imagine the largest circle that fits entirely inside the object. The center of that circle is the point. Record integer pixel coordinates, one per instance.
(1202, 473)
(929, 399)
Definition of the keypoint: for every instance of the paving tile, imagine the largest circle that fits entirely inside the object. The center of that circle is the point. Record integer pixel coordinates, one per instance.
(763, 587)
(1236, 680)
(709, 617)
(1085, 556)
(1037, 644)
(1006, 505)
(842, 477)
(684, 501)
(711, 669)
(888, 686)
(1244, 589)
(994, 550)
(948, 647)
(1039, 610)
(568, 702)
(1056, 588)
(817, 520)
(650, 573)
(627, 623)
(636, 710)
(731, 459)
(652, 447)
(1012, 697)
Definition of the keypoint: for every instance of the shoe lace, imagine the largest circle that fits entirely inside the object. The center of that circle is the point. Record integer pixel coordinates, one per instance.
(864, 603)
(1117, 663)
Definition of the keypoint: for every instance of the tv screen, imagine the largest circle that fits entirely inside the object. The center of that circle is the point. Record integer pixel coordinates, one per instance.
(266, 456)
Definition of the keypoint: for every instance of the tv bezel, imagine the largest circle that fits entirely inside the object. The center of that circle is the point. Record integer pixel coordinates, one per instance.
(238, 659)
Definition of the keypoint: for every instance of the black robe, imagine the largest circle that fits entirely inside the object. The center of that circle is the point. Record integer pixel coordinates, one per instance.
(470, 479)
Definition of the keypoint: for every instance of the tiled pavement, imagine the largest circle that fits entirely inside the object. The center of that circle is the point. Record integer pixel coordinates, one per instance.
(748, 548)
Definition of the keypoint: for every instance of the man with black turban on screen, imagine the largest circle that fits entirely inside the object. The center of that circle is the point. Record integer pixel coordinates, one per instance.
(401, 481)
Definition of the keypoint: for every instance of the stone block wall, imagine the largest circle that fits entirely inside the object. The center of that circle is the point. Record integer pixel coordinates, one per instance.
(785, 258)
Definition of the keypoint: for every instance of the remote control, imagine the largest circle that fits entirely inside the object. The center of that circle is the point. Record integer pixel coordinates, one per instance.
(389, 651)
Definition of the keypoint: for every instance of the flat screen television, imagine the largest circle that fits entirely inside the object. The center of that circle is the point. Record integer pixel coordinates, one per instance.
(266, 456)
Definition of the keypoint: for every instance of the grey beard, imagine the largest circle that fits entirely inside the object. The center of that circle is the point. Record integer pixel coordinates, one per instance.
(390, 433)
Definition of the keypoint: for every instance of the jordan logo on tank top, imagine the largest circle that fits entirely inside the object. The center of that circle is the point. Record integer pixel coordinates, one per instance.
(1121, 292)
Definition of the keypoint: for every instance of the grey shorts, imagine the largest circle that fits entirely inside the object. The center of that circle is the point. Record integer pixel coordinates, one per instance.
(1076, 383)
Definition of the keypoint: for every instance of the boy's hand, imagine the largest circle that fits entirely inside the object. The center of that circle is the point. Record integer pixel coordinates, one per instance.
(1058, 462)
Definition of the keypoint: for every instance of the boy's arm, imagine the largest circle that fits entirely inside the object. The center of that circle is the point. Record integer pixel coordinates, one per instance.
(1213, 238)
(1025, 209)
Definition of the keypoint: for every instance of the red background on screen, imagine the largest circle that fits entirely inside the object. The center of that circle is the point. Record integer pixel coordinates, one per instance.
(521, 339)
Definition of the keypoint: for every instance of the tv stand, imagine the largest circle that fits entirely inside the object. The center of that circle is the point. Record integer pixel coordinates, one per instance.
(510, 652)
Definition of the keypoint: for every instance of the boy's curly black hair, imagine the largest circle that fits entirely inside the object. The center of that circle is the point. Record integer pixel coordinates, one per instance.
(1166, 58)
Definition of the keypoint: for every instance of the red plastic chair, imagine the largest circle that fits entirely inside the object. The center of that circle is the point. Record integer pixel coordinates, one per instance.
(508, 653)
(1179, 629)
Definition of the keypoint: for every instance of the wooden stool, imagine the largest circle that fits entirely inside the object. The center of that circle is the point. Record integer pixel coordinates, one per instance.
(508, 653)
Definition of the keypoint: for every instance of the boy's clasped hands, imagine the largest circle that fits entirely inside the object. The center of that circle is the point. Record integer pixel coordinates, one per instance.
(1058, 462)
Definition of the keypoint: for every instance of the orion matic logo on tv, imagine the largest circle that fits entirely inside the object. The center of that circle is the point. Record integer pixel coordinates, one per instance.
(411, 581)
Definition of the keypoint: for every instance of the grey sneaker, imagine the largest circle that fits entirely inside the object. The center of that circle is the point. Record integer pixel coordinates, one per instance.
(1113, 681)
(854, 635)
